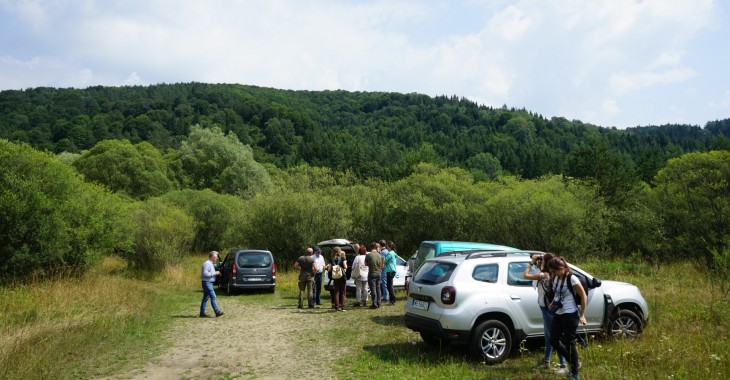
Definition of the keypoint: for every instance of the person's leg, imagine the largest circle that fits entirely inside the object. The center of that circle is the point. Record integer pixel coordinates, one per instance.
(556, 332)
(547, 320)
(379, 291)
(383, 286)
(318, 288)
(310, 298)
(391, 291)
(204, 302)
(372, 284)
(570, 326)
(211, 295)
(302, 287)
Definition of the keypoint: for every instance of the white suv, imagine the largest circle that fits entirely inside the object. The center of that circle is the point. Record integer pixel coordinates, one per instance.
(480, 298)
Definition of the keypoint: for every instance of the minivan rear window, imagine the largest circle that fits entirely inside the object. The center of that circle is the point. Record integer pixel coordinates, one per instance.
(434, 272)
(254, 260)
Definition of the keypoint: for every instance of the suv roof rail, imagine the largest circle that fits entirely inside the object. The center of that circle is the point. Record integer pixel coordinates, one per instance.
(483, 253)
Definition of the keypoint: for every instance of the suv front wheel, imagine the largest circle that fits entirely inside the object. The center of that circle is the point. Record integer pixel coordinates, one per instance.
(491, 342)
(624, 324)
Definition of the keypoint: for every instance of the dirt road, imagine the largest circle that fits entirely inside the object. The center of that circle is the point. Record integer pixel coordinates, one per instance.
(248, 342)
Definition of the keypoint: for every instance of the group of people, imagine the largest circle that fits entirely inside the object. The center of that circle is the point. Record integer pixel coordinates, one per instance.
(371, 270)
(563, 302)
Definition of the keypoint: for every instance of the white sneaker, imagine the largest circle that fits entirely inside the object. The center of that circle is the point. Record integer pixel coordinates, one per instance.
(562, 370)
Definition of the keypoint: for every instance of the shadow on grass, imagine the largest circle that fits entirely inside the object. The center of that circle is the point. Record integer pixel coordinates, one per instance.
(388, 320)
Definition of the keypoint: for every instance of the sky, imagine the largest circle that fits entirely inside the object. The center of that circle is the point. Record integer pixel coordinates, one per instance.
(612, 63)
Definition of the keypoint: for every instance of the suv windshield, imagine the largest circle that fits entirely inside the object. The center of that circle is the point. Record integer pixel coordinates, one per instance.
(254, 260)
(434, 272)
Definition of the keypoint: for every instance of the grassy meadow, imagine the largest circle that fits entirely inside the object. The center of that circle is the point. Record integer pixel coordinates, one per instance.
(109, 321)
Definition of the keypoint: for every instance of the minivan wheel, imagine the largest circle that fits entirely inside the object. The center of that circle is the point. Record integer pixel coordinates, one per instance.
(433, 341)
(625, 324)
(491, 342)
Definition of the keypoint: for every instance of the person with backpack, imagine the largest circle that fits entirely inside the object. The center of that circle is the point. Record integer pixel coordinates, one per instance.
(541, 280)
(337, 269)
(569, 307)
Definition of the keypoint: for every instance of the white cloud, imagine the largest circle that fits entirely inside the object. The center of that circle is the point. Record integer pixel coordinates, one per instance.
(557, 58)
(622, 83)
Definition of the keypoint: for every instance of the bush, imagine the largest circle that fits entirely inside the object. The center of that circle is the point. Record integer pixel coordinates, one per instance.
(218, 217)
(51, 221)
(164, 235)
(286, 223)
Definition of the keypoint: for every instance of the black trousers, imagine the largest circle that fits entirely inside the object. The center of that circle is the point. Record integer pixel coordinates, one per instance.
(563, 335)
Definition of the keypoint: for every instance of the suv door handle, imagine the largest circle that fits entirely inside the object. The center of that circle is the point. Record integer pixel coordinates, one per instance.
(515, 298)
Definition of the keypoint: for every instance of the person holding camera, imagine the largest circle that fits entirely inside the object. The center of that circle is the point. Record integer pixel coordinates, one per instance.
(568, 314)
(541, 280)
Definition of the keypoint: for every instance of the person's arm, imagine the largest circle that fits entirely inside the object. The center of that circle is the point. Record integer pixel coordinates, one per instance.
(532, 276)
(583, 302)
(296, 265)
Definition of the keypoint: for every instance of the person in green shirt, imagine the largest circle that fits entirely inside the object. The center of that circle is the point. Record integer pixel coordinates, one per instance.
(375, 264)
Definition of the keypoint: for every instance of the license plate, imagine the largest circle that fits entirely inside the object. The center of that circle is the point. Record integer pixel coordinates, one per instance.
(423, 305)
(254, 279)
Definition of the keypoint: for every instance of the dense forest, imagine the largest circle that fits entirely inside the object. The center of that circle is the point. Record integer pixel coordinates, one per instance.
(371, 135)
(152, 173)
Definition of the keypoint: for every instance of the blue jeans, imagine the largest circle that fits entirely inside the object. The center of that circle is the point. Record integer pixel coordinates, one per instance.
(317, 288)
(208, 292)
(384, 285)
(547, 320)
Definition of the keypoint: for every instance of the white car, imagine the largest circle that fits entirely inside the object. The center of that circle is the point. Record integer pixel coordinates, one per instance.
(481, 298)
(399, 282)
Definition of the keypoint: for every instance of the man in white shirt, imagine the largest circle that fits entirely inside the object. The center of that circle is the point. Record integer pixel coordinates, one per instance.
(208, 275)
(319, 267)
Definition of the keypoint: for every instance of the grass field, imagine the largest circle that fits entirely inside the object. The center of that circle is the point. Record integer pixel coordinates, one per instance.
(109, 321)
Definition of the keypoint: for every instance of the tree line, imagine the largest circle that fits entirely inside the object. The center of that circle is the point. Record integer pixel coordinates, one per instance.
(60, 214)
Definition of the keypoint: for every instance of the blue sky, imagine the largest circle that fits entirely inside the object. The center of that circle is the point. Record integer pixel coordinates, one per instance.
(613, 63)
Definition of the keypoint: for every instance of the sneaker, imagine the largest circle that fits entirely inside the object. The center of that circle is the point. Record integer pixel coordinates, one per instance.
(563, 370)
(357, 304)
(205, 316)
(219, 314)
(572, 376)
(542, 364)
(373, 307)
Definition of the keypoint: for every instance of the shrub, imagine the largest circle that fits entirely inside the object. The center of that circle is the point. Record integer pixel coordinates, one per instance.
(218, 217)
(51, 221)
(164, 235)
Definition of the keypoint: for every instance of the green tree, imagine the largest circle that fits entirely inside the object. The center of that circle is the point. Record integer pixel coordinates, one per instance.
(52, 221)
(221, 163)
(484, 166)
(218, 217)
(137, 170)
(691, 196)
(286, 223)
(163, 236)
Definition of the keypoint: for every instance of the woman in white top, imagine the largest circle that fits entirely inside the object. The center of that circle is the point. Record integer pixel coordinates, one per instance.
(567, 314)
(542, 281)
(360, 277)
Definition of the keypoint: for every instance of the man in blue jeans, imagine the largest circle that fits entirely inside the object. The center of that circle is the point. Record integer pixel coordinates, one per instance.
(208, 274)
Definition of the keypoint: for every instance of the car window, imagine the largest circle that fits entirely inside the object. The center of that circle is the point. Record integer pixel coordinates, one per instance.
(434, 273)
(486, 273)
(399, 261)
(515, 272)
(254, 260)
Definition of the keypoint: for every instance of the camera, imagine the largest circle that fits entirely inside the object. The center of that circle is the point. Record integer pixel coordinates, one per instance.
(537, 257)
(554, 306)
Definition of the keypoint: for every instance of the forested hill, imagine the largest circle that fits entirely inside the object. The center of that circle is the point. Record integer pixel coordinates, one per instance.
(371, 134)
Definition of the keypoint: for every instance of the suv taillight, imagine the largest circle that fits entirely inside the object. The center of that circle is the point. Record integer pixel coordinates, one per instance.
(448, 295)
(273, 270)
(234, 270)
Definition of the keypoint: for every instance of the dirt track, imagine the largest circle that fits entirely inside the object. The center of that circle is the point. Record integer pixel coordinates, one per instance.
(248, 342)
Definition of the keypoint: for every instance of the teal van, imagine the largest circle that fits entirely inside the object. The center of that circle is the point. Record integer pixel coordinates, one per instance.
(429, 249)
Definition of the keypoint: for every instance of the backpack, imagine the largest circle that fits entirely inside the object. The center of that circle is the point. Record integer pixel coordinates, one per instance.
(337, 270)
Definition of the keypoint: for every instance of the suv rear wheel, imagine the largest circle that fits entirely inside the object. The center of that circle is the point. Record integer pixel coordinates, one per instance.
(491, 342)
